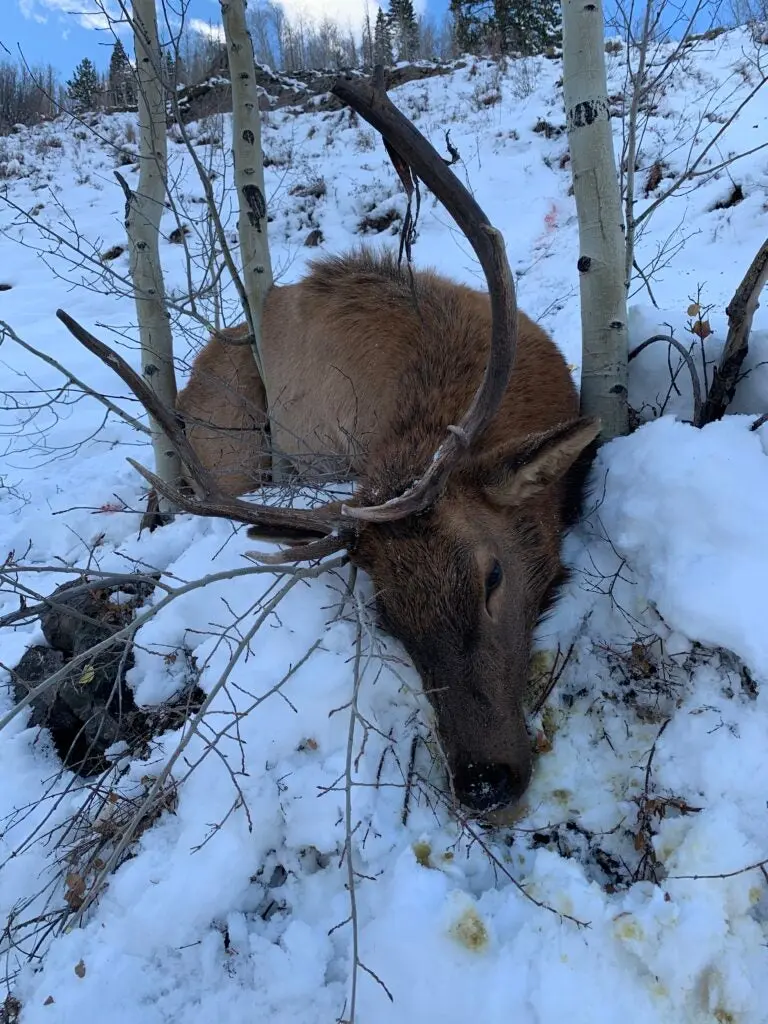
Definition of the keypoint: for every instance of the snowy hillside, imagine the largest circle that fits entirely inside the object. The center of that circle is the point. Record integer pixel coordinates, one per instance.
(300, 842)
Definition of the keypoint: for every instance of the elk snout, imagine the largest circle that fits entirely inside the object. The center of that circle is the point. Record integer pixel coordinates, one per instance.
(484, 787)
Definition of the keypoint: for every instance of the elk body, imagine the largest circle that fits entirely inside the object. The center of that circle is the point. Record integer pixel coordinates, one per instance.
(370, 366)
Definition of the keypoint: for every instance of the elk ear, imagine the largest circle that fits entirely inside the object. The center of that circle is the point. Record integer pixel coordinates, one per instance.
(516, 476)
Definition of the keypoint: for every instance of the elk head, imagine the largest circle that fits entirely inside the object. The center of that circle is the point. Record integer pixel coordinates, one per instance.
(462, 586)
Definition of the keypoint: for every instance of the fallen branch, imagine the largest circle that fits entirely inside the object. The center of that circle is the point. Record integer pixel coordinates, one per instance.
(741, 311)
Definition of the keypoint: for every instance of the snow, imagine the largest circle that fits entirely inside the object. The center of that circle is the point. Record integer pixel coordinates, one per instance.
(234, 901)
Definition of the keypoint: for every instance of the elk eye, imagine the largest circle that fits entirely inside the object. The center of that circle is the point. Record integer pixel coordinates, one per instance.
(492, 580)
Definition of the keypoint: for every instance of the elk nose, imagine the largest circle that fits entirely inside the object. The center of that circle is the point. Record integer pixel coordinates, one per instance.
(483, 787)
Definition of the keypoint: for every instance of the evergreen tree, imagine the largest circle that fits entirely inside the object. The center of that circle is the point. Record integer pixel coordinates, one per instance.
(521, 26)
(382, 40)
(83, 87)
(468, 26)
(528, 26)
(170, 69)
(405, 28)
(367, 42)
(120, 77)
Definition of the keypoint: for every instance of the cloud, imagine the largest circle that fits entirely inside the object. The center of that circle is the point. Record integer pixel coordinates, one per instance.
(206, 28)
(87, 13)
(346, 13)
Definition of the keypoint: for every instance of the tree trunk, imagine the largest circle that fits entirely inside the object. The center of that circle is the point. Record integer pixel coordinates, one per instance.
(598, 205)
(249, 170)
(249, 181)
(144, 208)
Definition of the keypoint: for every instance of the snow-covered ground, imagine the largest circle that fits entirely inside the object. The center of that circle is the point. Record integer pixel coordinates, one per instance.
(235, 901)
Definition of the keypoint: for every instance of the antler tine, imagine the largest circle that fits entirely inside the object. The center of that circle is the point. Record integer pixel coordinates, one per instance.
(370, 101)
(310, 552)
(211, 501)
(284, 520)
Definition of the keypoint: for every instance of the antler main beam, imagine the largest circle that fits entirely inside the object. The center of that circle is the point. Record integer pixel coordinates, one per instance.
(286, 522)
(370, 101)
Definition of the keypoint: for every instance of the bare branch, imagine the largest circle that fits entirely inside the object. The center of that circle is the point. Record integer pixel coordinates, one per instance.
(687, 359)
(741, 311)
(6, 329)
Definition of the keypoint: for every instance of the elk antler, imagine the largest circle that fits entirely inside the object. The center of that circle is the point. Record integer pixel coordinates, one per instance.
(284, 522)
(333, 527)
(370, 101)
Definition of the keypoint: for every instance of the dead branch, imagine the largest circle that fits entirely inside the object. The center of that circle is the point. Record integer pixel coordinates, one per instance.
(758, 865)
(740, 311)
(685, 355)
(102, 582)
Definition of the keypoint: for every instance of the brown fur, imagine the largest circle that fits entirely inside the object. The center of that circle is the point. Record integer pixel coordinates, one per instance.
(367, 369)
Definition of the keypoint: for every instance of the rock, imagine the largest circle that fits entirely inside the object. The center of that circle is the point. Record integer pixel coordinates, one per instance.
(73, 623)
(90, 707)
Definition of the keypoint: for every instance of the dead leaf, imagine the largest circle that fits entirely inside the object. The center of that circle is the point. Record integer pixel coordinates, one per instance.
(48, 1001)
(694, 309)
(87, 676)
(701, 329)
(80, 969)
(543, 743)
(75, 890)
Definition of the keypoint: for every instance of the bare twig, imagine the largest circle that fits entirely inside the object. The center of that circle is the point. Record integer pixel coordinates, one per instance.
(6, 329)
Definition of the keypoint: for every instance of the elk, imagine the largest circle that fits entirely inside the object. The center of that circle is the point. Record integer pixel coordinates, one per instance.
(468, 470)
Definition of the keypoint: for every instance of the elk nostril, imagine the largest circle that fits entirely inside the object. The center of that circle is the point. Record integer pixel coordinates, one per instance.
(483, 787)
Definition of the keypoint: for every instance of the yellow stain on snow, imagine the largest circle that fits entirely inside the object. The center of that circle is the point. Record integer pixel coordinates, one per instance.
(422, 851)
(755, 894)
(627, 928)
(470, 930)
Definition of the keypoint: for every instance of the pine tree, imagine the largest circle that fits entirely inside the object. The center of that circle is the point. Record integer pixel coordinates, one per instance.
(522, 26)
(121, 84)
(405, 28)
(367, 42)
(467, 25)
(170, 70)
(382, 40)
(531, 26)
(83, 87)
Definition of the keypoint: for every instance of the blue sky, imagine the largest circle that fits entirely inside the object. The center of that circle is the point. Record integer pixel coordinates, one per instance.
(62, 32)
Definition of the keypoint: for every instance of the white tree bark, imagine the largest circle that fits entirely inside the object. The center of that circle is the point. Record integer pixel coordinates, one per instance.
(144, 208)
(249, 172)
(598, 205)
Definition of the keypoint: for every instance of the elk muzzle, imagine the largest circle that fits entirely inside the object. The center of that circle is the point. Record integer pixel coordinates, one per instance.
(485, 787)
